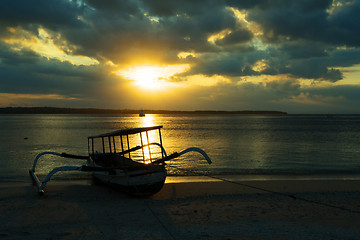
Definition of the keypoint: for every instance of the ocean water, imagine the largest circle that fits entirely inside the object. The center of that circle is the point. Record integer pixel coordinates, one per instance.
(237, 144)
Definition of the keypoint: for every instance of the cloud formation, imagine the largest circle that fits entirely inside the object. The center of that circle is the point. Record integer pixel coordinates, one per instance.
(284, 55)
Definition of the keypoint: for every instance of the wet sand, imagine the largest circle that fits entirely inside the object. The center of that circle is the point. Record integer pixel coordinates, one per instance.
(289, 209)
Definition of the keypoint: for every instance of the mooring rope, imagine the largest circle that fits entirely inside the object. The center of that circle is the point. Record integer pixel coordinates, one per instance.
(160, 222)
(273, 192)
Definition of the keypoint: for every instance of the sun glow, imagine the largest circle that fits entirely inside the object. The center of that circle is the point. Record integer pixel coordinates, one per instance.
(152, 77)
(146, 77)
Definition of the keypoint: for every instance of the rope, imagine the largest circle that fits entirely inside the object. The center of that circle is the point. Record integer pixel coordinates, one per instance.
(276, 193)
(161, 223)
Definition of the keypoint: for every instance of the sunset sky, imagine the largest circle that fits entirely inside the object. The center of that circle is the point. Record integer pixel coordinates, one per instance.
(298, 56)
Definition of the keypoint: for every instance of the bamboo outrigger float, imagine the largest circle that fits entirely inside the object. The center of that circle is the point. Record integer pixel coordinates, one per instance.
(113, 161)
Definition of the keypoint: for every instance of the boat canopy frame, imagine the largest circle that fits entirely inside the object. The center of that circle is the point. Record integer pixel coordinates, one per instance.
(108, 142)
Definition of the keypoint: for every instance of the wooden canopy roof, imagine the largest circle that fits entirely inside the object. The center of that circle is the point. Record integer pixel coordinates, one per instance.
(126, 131)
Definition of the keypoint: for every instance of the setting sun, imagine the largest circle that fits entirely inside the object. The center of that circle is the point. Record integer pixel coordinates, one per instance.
(147, 76)
(152, 77)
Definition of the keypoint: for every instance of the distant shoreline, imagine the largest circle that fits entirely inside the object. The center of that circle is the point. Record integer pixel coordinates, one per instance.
(55, 110)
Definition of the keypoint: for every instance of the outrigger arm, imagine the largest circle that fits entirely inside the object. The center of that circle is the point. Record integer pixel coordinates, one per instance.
(41, 185)
(191, 149)
(199, 150)
(171, 156)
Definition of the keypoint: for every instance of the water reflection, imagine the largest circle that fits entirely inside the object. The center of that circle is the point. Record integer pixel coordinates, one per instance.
(236, 144)
(147, 121)
(150, 152)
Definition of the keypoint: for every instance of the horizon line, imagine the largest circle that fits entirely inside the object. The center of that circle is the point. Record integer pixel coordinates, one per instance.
(72, 110)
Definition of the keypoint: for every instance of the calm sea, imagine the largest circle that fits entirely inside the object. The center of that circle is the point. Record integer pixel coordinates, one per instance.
(237, 144)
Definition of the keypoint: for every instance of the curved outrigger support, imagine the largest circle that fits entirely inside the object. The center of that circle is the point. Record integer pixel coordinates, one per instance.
(191, 149)
(195, 149)
(41, 185)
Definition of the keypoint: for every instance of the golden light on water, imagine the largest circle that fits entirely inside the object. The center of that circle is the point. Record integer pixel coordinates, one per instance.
(152, 151)
(147, 121)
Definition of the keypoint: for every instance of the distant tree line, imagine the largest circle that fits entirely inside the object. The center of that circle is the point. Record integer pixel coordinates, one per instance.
(55, 110)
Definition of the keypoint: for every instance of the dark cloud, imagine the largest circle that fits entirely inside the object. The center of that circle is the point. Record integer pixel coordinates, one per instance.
(189, 8)
(304, 49)
(351, 93)
(161, 26)
(312, 68)
(118, 7)
(226, 64)
(236, 37)
(54, 14)
(292, 19)
(302, 39)
(28, 72)
(345, 57)
(284, 86)
(343, 25)
(309, 20)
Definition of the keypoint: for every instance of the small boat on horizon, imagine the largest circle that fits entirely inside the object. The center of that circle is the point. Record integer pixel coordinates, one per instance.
(136, 170)
(141, 114)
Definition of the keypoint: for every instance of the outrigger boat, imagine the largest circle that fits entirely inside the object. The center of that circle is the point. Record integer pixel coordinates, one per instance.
(138, 170)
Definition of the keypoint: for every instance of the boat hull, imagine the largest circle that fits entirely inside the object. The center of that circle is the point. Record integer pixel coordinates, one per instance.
(138, 183)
